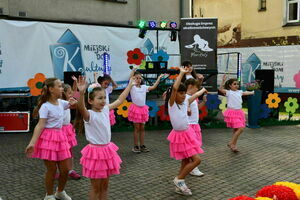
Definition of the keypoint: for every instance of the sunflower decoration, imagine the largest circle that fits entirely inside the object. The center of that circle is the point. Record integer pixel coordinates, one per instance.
(273, 100)
(203, 112)
(213, 101)
(153, 108)
(36, 84)
(163, 116)
(295, 187)
(135, 56)
(223, 104)
(242, 198)
(264, 111)
(123, 109)
(297, 79)
(173, 77)
(291, 105)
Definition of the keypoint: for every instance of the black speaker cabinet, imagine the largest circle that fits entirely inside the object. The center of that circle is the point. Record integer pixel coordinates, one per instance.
(267, 78)
(68, 77)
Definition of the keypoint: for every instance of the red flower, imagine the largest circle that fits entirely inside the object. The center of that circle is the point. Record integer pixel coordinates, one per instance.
(242, 198)
(162, 115)
(203, 112)
(135, 56)
(281, 192)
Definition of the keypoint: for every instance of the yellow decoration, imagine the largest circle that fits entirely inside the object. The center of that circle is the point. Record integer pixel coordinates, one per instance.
(263, 198)
(273, 100)
(123, 109)
(223, 105)
(295, 187)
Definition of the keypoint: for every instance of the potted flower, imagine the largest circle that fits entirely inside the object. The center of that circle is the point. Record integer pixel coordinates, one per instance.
(253, 103)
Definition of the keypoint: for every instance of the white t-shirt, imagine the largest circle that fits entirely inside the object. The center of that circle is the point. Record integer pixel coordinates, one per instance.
(234, 99)
(97, 129)
(138, 95)
(53, 113)
(194, 117)
(108, 91)
(178, 115)
(67, 117)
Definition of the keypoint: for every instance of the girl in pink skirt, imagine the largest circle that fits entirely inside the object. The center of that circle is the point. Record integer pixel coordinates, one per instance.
(193, 86)
(184, 145)
(99, 158)
(138, 112)
(234, 116)
(105, 81)
(69, 130)
(49, 142)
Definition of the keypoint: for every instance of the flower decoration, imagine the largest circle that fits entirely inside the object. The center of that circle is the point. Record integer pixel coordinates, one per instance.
(92, 86)
(295, 187)
(143, 65)
(253, 85)
(264, 111)
(173, 77)
(273, 100)
(242, 198)
(291, 105)
(135, 56)
(161, 55)
(36, 84)
(163, 116)
(278, 191)
(203, 112)
(123, 109)
(223, 104)
(153, 108)
(263, 198)
(297, 79)
(213, 101)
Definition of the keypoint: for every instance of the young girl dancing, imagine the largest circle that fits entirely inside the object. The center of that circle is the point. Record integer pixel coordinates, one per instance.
(48, 141)
(105, 82)
(184, 145)
(99, 158)
(234, 116)
(138, 112)
(69, 130)
(193, 86)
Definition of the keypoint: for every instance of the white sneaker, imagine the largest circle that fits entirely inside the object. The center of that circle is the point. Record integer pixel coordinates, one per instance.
(181, 187)
(49, 197)
(62, 195)
(196, 172)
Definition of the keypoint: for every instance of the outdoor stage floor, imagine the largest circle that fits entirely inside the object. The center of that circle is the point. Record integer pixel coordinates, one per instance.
(268, 155)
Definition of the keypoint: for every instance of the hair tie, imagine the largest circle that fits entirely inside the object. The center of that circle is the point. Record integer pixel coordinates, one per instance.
(92, 86)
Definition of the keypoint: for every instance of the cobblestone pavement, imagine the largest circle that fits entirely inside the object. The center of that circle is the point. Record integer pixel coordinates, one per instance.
(268, 154)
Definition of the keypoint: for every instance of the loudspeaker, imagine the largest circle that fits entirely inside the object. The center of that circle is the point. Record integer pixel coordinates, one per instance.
(267, 78)
(68, 77)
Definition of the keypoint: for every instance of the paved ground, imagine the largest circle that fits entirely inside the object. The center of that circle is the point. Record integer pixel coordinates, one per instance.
(267, 155)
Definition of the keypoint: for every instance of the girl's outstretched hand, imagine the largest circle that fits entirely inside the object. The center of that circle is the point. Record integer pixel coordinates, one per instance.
(81, 84)
(72, 101)
(160, 76)
(183, 70)
(74, 78)
(132, 81)
(29, 150)
(224, 78)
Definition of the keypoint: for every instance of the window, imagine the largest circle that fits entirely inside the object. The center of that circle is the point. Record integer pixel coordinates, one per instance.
(262, 5)
(293, 8)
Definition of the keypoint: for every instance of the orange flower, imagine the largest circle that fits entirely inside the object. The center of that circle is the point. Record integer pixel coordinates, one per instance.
(123, 109)
(273, 100)
(35, 84)
(173, 77)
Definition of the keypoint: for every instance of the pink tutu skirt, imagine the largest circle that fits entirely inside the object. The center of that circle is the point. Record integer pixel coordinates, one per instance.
(138, 114)
(183, 144)
(197, 129)
(100, 161)
(52, 145)
(234, 118)
(71, 135)
(112, 117)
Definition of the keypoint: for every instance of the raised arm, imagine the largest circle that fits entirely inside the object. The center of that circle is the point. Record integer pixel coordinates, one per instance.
(246, 93)
(154, 86)
(122, 96)
(176, 85)
(221, 88)
(202, 103)
(81, 85)
(36, 134)
(196, 95)
(132, 72)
